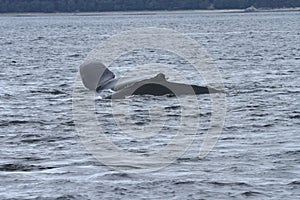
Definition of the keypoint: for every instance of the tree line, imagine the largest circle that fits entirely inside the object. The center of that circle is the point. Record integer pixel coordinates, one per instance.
(7, 6)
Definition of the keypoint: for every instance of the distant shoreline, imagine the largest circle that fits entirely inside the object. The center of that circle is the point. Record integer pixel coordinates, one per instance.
(148, 12)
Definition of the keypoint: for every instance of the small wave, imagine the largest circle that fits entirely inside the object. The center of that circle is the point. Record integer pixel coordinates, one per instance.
(295, 152)
(22, 167)
(172, 107)
(294, 183)
(120, 189)
(193, 159)
(33, 158)
(69, 123)
(74, 55)
(7, 43)
(229, 184)
(184, 182)
(262, 125)
(30, 138)
(140, 123)
(173, 115)
(31, 141)
(13, 122)
(284, 154)
(250, 193)
(38, 38)
(259, 114)
(116, 176)
(228, 138)
(69, 197)
(19, 122)
(54, 91)
(293, 91)
(294, 116)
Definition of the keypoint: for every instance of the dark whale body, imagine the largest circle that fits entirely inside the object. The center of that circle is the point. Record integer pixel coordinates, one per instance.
(95, 76)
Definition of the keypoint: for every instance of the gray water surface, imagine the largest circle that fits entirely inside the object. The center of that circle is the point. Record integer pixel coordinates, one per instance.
(257, 156)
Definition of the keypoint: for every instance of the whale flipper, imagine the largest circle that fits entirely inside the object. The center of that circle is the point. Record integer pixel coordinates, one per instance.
(95, 74)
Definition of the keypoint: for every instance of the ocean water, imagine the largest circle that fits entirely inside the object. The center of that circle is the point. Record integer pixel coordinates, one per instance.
(257, 155)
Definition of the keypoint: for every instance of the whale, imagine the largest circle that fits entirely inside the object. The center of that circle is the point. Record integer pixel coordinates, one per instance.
(97, 77)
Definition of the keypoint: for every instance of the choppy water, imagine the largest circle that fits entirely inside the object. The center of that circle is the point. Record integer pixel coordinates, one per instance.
(257, 156)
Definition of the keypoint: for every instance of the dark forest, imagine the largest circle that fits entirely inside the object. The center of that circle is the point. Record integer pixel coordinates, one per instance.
(7, 6)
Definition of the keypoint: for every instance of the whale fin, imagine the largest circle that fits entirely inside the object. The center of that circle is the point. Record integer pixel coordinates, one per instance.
(94, 75)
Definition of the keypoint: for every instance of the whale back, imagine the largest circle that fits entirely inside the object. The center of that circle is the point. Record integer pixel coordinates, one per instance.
(94, 75)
